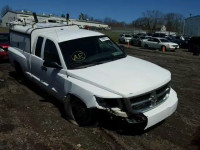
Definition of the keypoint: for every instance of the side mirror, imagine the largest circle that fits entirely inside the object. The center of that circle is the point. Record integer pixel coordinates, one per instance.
(51, 64)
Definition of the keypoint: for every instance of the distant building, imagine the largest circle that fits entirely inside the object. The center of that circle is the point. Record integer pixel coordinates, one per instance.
(192, 26)
(26, 16)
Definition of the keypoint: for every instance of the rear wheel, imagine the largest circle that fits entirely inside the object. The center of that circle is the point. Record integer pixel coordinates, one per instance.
(19, 70)
(146, 46)
(139, 44)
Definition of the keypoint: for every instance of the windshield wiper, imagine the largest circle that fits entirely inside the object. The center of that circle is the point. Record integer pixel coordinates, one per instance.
(85, 64)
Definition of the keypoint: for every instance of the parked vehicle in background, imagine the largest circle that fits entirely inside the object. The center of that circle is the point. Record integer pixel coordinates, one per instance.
(137, 40)
(125, 38)
(160, 43)
(187, 38)
(161, 35)
(180, 41)
(89, 73)
(4, 44)
(194, 45)
(141, 34)
(183, 42)
(150, 34)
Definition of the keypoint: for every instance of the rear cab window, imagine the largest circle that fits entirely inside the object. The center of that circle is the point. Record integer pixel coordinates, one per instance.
(20, 41)
(50, 52)
(38, 47)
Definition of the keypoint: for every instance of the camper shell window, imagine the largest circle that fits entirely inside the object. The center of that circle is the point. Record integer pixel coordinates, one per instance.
(20, 41)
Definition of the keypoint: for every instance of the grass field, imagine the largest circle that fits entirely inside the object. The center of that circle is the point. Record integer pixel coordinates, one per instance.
(4, 30)
(113, 35)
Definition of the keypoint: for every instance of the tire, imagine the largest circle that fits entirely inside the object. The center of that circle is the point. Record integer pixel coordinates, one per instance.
(146, 46)
(189, 48)
(139, 44)
(79, 114)
(19, 70)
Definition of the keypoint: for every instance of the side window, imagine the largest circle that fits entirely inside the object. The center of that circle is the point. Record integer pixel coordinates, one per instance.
(154, 40)
(50, 52)
(135, 37)
(20, 41)
(38, 47)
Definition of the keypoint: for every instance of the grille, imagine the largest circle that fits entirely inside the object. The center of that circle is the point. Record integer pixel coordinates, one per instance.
(150, 100)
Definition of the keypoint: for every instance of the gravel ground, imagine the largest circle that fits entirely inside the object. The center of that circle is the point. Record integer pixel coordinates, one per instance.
(31, 119)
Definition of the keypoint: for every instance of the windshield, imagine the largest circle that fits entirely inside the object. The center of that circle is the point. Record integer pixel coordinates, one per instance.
(89, 51)
(164, 40)
(4, 38)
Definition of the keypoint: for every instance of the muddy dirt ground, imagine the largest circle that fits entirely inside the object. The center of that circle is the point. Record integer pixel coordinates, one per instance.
(31, 119)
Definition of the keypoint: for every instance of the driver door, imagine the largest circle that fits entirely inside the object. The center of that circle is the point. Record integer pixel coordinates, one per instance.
(53, 79)
(156, 43)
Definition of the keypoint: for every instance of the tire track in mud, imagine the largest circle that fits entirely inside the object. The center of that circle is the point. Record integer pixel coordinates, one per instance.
(117, 142)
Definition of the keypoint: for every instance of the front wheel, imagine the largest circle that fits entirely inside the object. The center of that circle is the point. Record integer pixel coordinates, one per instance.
(81, 114)
(19, 72)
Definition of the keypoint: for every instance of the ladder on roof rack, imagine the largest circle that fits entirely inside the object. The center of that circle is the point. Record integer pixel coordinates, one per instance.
(37, 24)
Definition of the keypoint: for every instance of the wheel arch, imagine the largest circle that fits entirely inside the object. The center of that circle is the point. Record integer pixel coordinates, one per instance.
(84, 96)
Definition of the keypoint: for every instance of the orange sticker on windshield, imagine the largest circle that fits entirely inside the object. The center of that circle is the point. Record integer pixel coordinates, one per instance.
(78, 56)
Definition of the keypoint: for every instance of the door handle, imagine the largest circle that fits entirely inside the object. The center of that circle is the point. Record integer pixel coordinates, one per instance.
(44, 68)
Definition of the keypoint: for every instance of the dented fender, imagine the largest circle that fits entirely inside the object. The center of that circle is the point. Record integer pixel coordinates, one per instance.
(87, 92)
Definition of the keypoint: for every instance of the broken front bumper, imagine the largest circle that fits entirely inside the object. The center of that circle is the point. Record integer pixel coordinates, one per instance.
(162, 111)
(142, 121)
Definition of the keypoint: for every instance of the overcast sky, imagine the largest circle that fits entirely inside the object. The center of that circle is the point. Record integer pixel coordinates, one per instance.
(121, 10)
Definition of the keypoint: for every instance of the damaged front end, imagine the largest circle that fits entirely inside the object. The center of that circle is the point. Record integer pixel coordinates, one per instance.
(131, 110)
(118, 111)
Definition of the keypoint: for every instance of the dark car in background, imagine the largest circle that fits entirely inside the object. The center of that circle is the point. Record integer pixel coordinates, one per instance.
(178, 40)
(161, 35)
(183, 41)
(194, 45)
(4, 44)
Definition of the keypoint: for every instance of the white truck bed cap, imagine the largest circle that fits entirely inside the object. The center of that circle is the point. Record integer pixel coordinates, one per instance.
(59, 32)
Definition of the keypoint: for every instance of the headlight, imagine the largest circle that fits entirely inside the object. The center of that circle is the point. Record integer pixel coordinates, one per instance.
(108, 102)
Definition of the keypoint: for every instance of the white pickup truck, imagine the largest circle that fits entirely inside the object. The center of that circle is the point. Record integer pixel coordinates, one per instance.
(89, 73)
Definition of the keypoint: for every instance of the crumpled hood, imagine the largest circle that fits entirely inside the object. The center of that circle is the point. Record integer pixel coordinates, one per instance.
(127, 77)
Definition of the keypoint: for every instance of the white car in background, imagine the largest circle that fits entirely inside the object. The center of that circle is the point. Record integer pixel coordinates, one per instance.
(160, 43)
(125, 38)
